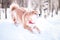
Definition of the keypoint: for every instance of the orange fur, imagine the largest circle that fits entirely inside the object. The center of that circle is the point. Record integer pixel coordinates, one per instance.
(23, 16)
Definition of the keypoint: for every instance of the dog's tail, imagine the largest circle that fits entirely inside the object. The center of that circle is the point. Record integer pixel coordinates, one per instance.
(14, 6)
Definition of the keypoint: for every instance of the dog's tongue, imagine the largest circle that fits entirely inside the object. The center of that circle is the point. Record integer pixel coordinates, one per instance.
(31, 22)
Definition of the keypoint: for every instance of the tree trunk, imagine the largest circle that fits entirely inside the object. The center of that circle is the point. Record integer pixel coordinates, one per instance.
(5, 12)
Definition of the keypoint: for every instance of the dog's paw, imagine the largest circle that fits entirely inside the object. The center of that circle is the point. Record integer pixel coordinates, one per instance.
(36, 31)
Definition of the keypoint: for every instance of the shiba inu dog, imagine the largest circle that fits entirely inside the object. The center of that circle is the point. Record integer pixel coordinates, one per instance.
(25, 17)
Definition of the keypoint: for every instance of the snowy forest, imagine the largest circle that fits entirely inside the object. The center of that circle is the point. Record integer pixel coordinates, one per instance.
(41, 5)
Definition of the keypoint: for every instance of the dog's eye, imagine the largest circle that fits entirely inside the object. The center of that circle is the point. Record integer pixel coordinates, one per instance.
(34, 13)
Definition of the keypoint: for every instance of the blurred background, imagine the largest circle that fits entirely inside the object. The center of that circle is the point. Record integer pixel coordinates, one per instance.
(45, 7)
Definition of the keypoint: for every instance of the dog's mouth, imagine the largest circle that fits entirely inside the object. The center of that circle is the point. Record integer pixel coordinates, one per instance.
(31, 22)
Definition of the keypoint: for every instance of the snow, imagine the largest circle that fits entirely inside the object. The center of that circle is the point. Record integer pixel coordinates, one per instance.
(49, 29)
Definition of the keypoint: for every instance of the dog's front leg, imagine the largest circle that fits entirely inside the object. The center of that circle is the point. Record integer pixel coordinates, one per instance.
(36, 29)
(28, 28)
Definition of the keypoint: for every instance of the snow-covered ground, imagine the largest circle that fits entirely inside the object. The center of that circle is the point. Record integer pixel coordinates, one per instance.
(49, 27)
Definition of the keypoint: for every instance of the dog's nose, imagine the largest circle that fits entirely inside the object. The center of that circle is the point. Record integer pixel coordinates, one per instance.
(39, 14)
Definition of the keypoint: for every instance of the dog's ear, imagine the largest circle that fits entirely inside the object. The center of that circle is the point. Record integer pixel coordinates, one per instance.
(34, 12)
